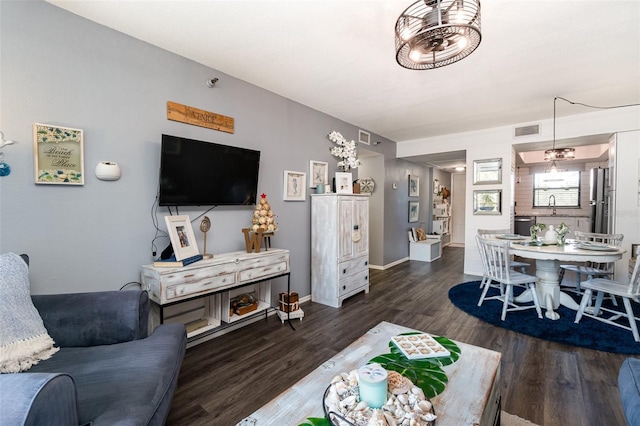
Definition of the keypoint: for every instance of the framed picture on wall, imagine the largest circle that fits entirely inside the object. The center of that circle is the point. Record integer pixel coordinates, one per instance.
(487, 171)
(181, 235)
(414, 210)
(58, 154)
(414, 186)
(318, 172)
(487, 202)
(295, 186)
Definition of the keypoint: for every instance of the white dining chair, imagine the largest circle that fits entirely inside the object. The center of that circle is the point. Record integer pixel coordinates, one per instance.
(592, 269)
(486, 280)
(496, 264)
(514, 264)
(628, 291)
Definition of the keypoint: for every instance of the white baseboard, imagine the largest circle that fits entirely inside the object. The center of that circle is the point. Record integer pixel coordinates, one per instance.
(382, 268)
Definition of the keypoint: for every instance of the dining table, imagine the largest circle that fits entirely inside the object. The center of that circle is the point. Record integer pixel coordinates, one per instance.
(548, 258)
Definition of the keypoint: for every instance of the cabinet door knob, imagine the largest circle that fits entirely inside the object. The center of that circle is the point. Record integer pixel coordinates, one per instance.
(366, 262)
(366, 277)
(344, 287)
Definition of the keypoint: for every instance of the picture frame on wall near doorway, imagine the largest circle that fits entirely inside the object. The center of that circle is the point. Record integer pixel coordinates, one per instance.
(414, 186)
(487, 202)
(414, 211)
(487, 171)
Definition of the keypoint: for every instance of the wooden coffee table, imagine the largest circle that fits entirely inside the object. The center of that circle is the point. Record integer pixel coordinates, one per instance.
(472, 395)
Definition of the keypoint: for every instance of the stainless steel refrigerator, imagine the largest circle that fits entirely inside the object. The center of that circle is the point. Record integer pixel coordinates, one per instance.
(600, 200)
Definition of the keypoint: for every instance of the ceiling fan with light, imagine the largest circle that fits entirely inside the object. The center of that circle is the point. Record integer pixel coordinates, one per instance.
(435, 33)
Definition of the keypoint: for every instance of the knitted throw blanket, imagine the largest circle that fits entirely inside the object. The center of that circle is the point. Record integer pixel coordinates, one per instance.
(23, 339)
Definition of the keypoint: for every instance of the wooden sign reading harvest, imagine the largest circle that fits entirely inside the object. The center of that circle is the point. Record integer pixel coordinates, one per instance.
(199, 117)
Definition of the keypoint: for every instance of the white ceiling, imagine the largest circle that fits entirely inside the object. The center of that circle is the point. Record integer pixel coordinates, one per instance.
(337, 56)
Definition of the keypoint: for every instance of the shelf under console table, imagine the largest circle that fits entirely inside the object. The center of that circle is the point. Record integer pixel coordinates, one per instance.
(199, 294)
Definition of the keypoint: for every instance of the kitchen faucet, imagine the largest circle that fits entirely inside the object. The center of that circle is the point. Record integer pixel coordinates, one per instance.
(554, 204)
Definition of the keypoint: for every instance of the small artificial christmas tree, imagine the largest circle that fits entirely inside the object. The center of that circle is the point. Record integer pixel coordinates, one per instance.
(263, 216)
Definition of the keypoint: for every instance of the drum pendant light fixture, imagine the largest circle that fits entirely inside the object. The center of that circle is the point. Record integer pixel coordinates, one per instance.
(434, 33)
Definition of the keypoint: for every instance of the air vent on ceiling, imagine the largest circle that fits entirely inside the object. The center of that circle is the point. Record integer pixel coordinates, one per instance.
(364, 137)
(533, 129)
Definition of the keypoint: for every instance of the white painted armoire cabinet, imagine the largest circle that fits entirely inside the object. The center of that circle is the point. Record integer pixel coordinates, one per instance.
(339, 247)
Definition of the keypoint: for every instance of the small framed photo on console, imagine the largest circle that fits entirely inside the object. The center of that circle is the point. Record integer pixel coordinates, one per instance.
(181, 234)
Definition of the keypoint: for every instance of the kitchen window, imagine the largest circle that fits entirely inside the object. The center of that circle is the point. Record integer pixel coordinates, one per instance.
(556, 189)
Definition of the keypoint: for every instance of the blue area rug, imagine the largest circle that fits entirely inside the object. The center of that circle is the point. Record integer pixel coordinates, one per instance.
(589, 333)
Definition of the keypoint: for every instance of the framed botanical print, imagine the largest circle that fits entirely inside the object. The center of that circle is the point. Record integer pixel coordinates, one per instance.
(58, 155)
(318, 173)
(487, 202)
(181, 235)
(414, 186)
(414, 210)
(294, 186)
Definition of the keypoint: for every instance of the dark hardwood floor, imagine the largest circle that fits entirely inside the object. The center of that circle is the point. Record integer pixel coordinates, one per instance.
(227, 378)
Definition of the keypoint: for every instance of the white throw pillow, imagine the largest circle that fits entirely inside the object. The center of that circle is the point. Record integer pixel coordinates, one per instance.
(23, 339)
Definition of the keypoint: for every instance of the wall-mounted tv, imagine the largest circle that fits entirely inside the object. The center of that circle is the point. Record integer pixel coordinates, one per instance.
(197, 173)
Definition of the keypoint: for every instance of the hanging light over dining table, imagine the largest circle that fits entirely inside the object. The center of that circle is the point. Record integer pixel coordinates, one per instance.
(434, 33)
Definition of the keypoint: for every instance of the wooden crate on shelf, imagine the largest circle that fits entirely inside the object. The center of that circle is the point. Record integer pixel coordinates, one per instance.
(243, 310)
(234, 310)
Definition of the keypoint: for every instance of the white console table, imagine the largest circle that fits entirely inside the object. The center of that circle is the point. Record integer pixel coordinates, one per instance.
(217, 280)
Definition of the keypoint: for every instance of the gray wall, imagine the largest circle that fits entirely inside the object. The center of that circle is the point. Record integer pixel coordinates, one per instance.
(396, 206)
(60, 69)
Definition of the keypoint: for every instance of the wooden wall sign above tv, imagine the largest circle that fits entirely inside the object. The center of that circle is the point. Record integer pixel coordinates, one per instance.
(199, 117)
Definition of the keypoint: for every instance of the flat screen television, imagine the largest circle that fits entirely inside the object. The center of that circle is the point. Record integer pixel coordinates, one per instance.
(197, 173)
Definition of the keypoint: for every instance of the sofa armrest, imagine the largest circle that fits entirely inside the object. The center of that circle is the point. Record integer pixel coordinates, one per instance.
(629, 388)
(92, 319)
(38, 399)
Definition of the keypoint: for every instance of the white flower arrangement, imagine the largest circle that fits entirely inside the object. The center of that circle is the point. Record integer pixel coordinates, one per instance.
(346, 150)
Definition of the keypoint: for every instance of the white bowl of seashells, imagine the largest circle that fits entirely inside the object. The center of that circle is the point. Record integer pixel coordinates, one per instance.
(406, 403)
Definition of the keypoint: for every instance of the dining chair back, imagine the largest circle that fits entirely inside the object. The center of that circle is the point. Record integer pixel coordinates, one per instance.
(486, 280)
(512, 263)
(496, 263)
(590, 268)
(627, 291)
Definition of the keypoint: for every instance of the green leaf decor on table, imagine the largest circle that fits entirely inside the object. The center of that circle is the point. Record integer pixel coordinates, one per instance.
(426, 373)
(316, 421)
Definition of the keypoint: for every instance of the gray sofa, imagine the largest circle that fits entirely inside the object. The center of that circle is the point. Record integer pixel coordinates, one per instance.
(629, 387)
(107, 371)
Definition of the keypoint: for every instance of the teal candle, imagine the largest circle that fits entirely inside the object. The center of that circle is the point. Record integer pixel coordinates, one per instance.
(372, 384)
